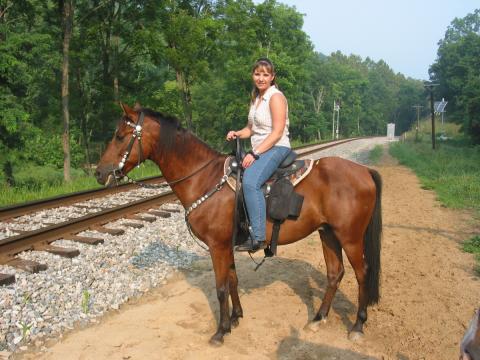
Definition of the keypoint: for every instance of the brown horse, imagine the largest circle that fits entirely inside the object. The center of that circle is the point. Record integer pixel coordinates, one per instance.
(470, 345)
(342, 201)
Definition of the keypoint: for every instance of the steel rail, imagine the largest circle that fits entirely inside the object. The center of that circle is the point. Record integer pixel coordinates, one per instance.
(13, 211)
(11, 246)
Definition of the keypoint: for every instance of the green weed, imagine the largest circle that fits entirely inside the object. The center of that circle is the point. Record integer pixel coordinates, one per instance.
(472, 245)
(375, 154)
(25, 328)
(86, 301)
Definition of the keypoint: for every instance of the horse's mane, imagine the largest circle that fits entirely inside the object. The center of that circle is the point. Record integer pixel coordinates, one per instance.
(173, 134)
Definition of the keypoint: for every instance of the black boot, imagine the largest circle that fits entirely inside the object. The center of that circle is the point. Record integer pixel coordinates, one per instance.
(251, 245)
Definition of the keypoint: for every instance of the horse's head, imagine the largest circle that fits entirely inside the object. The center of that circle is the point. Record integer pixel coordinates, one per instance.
(129, 147)
(470, 346)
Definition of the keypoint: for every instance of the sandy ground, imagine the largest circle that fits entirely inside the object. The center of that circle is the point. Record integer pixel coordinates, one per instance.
(429, 293)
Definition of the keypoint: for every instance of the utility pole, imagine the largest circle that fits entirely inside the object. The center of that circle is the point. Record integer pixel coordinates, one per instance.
(336, 108)
(333, 119)
(338, 121)
(418, 107)
(432, 110)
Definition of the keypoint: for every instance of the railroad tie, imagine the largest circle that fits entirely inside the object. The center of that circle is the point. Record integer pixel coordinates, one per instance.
(58, 250)
(141, 218)
(27, 265)
(7, 279)
(162, 214)
(104, 230)
(81, 206)
(132, 224)
(171, 210)
(84, 239)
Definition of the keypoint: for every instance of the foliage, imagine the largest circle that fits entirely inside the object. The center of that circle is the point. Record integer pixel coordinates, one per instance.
(43, 149)
(35, 177)
(189, 58)
(39, 182)
(457, 70)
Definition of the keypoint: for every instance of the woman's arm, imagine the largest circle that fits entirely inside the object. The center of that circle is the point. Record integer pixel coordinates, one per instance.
(244, 133)
(278, 111)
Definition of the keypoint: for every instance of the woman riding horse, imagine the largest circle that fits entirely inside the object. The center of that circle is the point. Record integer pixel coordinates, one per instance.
(268, 128)
(342, 200)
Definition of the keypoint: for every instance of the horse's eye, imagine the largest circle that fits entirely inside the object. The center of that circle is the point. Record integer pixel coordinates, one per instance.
(119, 137)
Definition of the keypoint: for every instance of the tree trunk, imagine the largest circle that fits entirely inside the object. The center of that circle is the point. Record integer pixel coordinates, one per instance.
(84, 121)
(115, 60)
(3, 18)
(186, 98)
(67, 34)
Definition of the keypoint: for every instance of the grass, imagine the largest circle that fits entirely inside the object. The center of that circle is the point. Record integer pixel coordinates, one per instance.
(452, 170)
(375, 154)
(472, 246)
(28, 191)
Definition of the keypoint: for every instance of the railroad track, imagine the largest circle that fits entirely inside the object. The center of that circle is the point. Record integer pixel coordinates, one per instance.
(40, 239)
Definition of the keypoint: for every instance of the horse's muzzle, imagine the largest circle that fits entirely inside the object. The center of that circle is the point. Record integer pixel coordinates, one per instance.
(108, 175)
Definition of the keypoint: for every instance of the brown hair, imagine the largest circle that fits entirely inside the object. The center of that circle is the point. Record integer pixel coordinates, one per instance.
(268, 65)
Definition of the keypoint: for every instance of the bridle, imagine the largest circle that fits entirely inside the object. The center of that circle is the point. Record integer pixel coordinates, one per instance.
(137, 134)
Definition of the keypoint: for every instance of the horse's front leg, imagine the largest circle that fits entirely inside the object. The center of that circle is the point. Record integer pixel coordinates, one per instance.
(237, 311)
(222, 258)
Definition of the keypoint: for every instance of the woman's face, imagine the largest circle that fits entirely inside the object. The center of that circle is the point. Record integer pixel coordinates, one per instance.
(262, 78)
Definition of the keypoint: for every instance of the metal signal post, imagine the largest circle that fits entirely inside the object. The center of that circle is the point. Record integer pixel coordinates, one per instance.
(430, 88)
(336, 109)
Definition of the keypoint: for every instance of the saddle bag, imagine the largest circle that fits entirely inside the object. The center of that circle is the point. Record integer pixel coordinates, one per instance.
(283, 203)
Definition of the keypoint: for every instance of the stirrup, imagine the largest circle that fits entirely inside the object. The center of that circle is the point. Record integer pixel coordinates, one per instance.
(251, 245)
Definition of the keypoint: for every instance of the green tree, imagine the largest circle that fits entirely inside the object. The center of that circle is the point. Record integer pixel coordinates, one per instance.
(457, 70)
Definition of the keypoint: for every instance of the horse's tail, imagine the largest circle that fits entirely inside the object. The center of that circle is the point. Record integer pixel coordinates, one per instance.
(372, 245)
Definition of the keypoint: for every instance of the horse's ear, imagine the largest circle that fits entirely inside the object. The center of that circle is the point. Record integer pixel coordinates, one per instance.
(137, 106)
(128, 111)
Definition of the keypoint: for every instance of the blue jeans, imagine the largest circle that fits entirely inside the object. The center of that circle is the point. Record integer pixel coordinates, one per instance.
(253, 179)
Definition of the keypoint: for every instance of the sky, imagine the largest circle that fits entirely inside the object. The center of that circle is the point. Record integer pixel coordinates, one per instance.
(403, 33)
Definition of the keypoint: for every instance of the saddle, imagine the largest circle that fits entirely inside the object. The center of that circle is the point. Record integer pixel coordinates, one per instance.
(282, 201)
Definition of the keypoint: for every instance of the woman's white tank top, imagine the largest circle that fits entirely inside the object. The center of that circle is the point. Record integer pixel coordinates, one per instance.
(260, 119)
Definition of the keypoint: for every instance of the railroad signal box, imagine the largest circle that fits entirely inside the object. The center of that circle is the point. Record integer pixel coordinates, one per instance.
(390, 131)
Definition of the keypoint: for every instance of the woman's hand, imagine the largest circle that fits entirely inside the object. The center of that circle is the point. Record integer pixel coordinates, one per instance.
(248, 160)
(232, 135)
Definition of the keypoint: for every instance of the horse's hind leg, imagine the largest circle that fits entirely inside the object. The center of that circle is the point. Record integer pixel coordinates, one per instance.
(354, 252)
(222, 259)
(237, 311)
(332, 252)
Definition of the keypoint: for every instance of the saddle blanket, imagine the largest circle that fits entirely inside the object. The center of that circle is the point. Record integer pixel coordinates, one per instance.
(295, 178)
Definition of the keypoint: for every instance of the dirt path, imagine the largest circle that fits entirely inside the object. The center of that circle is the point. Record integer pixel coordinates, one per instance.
(429, 292)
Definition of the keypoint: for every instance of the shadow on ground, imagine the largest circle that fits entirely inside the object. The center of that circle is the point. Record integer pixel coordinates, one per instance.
(292, 348)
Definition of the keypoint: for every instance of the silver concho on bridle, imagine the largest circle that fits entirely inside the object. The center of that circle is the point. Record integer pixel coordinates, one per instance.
(117, 173)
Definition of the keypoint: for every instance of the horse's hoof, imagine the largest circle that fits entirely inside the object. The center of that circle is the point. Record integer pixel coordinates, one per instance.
(355, 336)
(314, 326)
(216, 341)
(234, 323)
